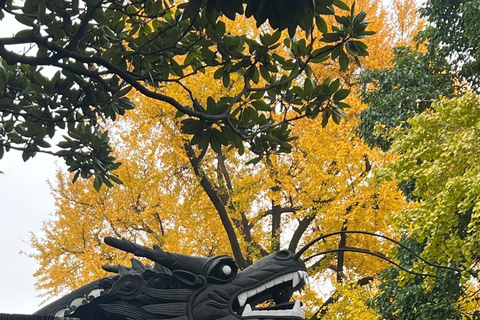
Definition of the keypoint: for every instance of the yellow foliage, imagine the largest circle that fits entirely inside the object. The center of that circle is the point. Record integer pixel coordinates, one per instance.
(328, 179)
(406, 21)
(350, 304)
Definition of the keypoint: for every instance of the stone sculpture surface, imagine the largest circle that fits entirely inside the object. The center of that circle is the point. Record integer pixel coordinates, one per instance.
(182, 287)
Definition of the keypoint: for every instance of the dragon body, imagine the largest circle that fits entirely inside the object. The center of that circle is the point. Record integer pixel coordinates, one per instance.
(182, 287)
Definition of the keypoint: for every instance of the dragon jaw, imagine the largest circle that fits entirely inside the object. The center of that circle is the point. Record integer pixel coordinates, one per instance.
(286, 284)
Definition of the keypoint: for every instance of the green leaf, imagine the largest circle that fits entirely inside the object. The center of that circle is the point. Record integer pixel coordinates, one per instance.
(28, 153)
(337, 115)
(218, 73)
(101, 18)
(343, 60)
(341, 94)
(115, 179)
(191, 126)
(254, 160)
(331, 37)
(261, 105)
(342, 5)
(220, 137)
(97, 182)
(265, 74)
(352, 49)
(321, 24)
(196, 138)
(308, 86)
(226, 80)
(75, 177)
(205, 140)
(191, 8)
(107, 182)
(334, 86)
(211, 105)
(257, 94)
(23, 19)
(325, 116)
(229, 134)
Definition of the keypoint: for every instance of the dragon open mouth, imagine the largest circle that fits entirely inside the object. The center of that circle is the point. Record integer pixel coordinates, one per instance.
(273, 296)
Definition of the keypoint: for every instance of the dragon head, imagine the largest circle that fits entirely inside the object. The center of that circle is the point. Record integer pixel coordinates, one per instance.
(261, 291)
(182, 287)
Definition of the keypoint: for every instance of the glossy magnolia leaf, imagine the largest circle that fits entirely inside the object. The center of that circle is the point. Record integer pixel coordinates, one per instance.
(342, 5)
(341, 94)
(343, 59)
(261, 105)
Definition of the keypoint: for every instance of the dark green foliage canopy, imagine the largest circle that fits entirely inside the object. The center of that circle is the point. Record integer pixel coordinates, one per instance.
(405, 297)
(397, 94)
(454, 35)
(102, 49)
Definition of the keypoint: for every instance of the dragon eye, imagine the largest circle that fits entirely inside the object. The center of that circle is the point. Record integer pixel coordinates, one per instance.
(226, 270)
(283, 255)
(223, 269)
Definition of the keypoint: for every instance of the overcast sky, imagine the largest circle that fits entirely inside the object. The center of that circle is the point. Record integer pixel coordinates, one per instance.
(25, 201)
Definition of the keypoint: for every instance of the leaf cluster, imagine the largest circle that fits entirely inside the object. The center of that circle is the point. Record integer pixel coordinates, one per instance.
(104, 48)
(404, 297)
(453, 34)
(398, 93)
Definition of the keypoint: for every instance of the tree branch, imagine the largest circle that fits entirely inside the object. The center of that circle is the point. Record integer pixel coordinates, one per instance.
(297, 235)
(219, 206)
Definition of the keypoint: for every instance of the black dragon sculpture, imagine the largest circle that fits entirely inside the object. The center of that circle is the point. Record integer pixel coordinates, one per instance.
(182, 287)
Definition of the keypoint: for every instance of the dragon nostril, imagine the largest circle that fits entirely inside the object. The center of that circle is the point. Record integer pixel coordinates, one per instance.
(128, 284)
(283, 255)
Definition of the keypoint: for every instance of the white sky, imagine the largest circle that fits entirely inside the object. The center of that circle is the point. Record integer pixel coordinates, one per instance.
(25, 201)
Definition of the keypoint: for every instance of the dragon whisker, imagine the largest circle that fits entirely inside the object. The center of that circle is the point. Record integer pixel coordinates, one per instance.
(343, 232)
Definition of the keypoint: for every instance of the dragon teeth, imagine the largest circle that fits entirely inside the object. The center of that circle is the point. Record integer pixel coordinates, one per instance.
(270, 284)
(295, 312)
(304, 275)
(61, 313)
(242, 298)
(278, 280)
(95, 293)
(247, 310)
(288, 277)
(296, 277)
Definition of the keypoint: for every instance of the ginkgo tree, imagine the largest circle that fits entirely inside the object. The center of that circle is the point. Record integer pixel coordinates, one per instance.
(439, 154)
(212, 203)
(102, 49)
(209, 201)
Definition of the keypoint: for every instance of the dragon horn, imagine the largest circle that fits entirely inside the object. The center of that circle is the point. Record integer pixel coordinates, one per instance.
(172, 261)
